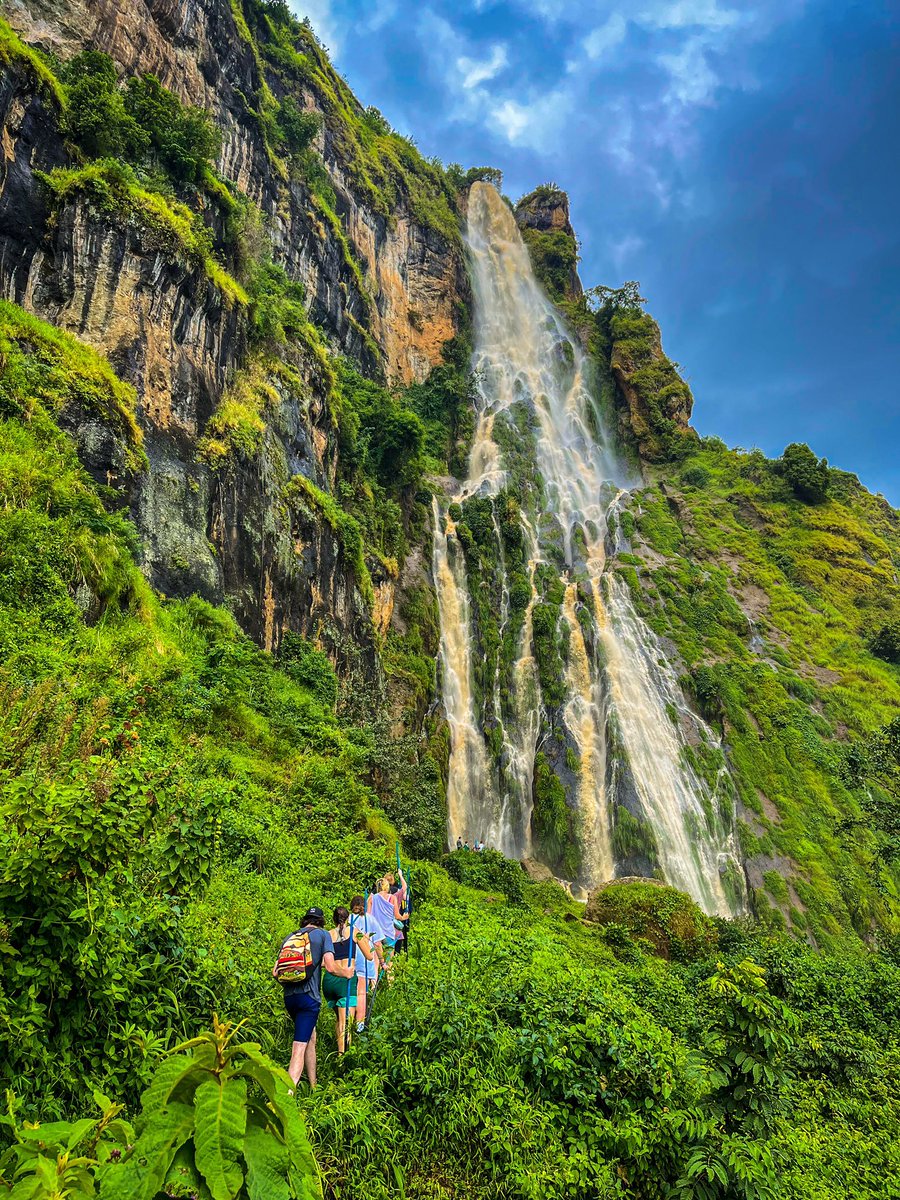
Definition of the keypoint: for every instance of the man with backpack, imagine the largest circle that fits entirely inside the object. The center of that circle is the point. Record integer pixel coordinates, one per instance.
(298, 969)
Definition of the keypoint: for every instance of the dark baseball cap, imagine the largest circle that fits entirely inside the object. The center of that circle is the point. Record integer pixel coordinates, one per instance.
(314, 916)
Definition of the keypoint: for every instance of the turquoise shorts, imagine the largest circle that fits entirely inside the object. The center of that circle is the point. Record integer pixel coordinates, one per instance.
(334, 991)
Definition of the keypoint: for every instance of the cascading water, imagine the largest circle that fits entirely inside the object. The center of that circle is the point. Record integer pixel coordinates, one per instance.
(565, 718)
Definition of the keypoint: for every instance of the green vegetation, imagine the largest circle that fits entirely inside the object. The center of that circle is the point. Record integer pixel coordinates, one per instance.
(219, 1121)
(142, 122)
(385, 167)
(806, 474)
(553, 823)
(44, 371)
(554, 255)
(163, 784)
(14, 52)
(662, 401)
(769, 601)
(553, 251)
(445, 402)
(668, 919)
(171, 797)
(322, 504)
(885, 643)
(113, 190)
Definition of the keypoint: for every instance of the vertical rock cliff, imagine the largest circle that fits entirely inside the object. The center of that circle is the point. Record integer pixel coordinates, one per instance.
(381, 282)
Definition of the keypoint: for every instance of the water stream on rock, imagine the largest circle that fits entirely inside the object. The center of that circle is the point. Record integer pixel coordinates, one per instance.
(571, 741)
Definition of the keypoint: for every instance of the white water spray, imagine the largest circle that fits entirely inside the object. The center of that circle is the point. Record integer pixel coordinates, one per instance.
(612, 741)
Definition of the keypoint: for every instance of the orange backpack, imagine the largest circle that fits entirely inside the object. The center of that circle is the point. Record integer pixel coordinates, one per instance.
(295, 959)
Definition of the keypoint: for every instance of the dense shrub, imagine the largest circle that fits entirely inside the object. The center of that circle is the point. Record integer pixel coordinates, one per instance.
(95, 116)
(697, 477)
(308, 666)
(807, 475)
(380, 435)
(183, 139)
(488, 870)
(885, 642)
(667, 918)
(141, 120)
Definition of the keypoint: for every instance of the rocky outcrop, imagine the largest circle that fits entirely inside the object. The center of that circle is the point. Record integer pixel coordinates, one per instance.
(655, 403)
(543, 217)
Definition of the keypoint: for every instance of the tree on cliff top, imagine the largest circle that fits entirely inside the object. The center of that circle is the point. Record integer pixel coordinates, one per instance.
(626, 298)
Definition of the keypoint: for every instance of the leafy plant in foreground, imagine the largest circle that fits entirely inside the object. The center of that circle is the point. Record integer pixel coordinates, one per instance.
(218, 1123)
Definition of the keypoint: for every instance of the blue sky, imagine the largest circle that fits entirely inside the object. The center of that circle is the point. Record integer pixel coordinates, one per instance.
(741, 160)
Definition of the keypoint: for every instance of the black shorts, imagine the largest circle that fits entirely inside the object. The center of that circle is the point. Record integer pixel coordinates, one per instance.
(304, 1009)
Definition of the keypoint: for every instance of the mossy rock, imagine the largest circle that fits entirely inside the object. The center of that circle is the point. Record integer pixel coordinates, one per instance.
(665, 917)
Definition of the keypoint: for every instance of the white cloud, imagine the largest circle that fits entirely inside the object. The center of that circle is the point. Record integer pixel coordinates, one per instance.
(688, 14)
(691, 79)
(475, 71)
(538, 124)
(637, 75)
(605, 37)
(531, 117)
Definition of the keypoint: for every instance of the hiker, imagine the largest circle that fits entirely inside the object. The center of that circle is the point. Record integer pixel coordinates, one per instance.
(367, 966)
(468, 847)
(459, 843)
(304, 953)
(399, 890)
(350, 944)
(384, 909)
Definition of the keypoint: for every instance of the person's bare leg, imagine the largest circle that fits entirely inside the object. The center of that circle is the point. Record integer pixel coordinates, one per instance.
(360, 999)
(310, 1060)
(295, 1067)
(340, 1028)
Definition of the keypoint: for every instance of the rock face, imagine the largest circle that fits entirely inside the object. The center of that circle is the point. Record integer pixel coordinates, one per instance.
(198, 50)
(655, 403)
(227, 531)
(545, 213)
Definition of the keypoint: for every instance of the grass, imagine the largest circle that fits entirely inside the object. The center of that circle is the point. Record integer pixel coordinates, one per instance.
(165, 225)
(14, 52)
(818, 577)
(54, 368)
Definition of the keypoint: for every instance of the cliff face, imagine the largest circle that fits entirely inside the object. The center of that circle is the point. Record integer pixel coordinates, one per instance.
(383, 289)
(655, 403)
(543, 218)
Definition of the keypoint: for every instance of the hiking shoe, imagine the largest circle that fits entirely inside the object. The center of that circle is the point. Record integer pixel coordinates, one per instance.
(360, 1027)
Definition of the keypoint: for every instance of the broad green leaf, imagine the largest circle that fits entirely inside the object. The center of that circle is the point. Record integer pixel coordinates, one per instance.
(27, 1189)
(59, 1133)
(220, 1108)
(178, 1074)
(142, 1175)
(268, 1164)
(183, 1172)
(304, 1174)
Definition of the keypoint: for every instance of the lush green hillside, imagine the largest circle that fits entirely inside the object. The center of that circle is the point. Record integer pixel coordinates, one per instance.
(773, 603)
(775, 585)
(172, 798)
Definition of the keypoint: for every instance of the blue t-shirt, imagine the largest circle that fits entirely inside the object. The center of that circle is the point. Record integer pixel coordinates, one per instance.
(321, 944)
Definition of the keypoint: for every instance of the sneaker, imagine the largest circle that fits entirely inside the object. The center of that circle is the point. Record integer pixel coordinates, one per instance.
(360, 1027)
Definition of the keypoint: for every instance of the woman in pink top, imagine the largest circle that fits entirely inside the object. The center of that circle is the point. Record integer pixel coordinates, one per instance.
(385, 909)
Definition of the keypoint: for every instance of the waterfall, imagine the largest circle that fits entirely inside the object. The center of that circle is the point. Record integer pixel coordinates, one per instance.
(567, 723)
